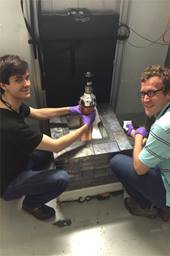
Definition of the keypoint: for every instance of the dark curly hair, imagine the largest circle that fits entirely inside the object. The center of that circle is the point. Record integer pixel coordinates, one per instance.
(157, 70)
(11, 65)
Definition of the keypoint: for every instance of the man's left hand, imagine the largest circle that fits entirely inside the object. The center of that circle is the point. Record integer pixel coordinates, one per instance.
(75, 110)
(142, 130)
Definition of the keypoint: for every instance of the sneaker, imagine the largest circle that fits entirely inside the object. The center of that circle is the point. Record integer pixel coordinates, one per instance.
(135, 209)
(43, 212)
(164, 214)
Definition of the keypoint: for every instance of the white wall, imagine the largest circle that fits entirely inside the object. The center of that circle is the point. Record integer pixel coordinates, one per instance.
(148, 18)
(14, 39)
(13, 35)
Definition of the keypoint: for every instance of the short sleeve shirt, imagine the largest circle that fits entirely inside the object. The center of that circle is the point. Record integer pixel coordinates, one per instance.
(17, 142)
(157, 149)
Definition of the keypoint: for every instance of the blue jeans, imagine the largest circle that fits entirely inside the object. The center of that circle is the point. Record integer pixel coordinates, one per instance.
(147, 189)
(38, 186)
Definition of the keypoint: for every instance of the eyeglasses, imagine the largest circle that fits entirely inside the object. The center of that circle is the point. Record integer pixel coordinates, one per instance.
(149, 93)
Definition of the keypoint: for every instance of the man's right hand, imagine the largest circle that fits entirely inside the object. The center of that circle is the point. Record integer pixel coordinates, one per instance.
(75, 110)
(89, 119)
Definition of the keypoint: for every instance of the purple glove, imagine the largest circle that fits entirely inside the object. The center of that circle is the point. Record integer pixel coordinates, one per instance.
(75, 110)
(142, 131)
(130, 128)
(89, 119)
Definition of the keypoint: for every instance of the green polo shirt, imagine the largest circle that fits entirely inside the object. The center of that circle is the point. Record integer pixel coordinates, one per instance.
(156, 152)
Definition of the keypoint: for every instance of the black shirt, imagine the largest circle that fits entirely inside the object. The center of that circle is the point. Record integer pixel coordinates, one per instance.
(17, 141)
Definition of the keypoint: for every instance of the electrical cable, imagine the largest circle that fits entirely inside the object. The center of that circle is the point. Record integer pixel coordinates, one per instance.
(127, 30)
(28, 25)
(34, 41)
(166, 31)
(147, 39)
(157, 41)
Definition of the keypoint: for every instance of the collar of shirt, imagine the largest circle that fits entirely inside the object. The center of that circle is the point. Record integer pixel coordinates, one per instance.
(163, 111)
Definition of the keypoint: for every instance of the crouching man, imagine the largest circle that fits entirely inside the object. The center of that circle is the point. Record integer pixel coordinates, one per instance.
(18, 175)
(146, 176)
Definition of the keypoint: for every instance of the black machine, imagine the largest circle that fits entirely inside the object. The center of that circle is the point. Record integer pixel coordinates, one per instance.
(73, 42)
(70, 43)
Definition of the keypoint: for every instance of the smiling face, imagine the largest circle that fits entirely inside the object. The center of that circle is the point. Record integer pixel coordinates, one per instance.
(18, 88)
(155, 103)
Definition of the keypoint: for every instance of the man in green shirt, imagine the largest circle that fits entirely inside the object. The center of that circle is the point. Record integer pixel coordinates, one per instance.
(146, 175)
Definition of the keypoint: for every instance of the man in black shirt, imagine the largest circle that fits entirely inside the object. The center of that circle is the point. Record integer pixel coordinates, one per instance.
(18, 141)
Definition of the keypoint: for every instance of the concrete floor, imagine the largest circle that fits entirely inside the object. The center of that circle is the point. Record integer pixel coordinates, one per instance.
(99, 228)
